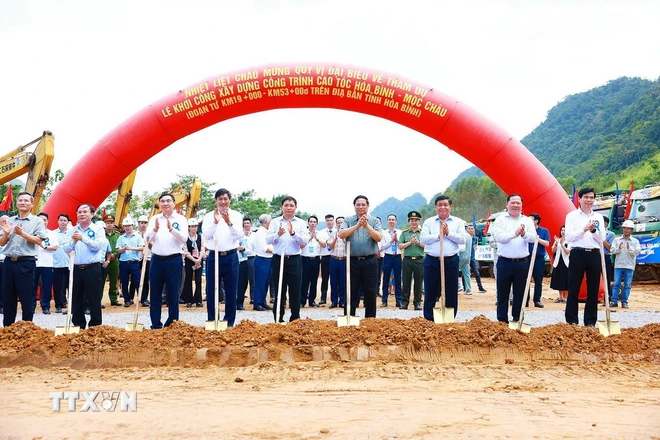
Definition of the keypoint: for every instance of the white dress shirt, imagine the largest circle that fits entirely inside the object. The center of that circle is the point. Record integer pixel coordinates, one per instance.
(287, 244)
(44, 256)
(324, 235)
(575, 235)
(431, 232)
(510, 244)
(313, 249)
(227, 236)
(387, 244)
(259, 243)
(166, 242)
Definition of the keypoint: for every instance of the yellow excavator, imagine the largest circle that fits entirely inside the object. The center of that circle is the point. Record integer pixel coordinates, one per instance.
(183, 195)
(36, 163)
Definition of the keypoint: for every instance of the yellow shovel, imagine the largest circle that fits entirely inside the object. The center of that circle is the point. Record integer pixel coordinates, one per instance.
(347, 319)
(68, 328)
(278, 297)
(216, 324)
(135, 326)
(607, 327)
(520, 325)
(444, 314)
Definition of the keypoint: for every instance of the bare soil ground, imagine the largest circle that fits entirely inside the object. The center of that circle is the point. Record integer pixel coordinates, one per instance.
(310, 379)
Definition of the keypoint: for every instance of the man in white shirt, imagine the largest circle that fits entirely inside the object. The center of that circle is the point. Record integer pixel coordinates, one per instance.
(44, 269)
(585, 230)
(61, 264)
(513, 232)
(391, 260)
(324, 236)
(453, 233)
(311, 259)
(262, 262)
(223, 226)
(167, 231)
(245, 265)
(287, 233)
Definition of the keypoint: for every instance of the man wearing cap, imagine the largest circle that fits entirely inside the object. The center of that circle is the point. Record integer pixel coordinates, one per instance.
(452, 231)
(413, 261)
(112, 264)
(143, 221)
(167, 232)
(223, 228)
(363, 232)
(625, 250)
(584, 232)
(129, 245)
(193, 266)
(22, 234)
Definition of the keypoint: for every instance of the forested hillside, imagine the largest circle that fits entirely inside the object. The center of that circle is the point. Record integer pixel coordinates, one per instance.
(605, 135)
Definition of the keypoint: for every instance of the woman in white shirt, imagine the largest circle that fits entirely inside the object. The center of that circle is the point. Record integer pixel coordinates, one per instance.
(559, 280)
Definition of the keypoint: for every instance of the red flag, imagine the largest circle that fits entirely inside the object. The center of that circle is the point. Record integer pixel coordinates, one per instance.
(629, 203)
(7, 200)
(103, 214)
(576, 200)
(487, 223)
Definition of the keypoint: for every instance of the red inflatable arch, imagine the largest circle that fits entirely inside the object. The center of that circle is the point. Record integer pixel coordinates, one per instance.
(511, 166)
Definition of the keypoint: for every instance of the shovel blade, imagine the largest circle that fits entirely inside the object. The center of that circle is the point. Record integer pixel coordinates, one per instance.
(608, 328)
(216, 326)
(64, 331)
(521, 327)
(443, 318)
(130, 327)
(345, 321)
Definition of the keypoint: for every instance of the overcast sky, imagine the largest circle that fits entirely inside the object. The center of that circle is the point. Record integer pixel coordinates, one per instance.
(79, 68)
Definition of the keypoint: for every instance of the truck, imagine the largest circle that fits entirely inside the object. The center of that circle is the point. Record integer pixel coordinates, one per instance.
(36, 164)
(645, 214)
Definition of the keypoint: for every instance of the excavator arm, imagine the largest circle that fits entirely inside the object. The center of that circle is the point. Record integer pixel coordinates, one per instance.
(37, 164)
(183, 196)
(124, 196)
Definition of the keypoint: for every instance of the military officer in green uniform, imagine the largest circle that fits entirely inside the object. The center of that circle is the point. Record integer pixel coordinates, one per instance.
(413, 261)
(111, 264)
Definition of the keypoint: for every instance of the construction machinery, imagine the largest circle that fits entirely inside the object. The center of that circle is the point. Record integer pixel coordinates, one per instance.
(35, 163)
(645, 214)
(184, 195)
(124, 196)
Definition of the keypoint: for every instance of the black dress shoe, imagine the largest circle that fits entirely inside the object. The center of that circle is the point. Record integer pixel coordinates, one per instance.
(267, 307)
(145, 303)
(313, 304)
(333, 305)
(127, 303)
(189, 306)
(46, 311)
(259, 309)
(418, 308)
(538, 305)
(115, 303)
(199, 304)
(240, 308)
(482, 290)
(102, 306)
(58, 310)
(398, 305)
(322, 303)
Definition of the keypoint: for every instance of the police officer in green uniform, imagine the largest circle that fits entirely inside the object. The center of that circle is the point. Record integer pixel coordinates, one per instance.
(413, 261)
(111, 264)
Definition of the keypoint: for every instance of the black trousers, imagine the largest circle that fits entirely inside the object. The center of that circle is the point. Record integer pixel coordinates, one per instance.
(189, 295)
(292, 280)
(17, 285)
(60, 285)
(510, 272)
(87, 289)
(364, 278)
(325, 276)
(583, 262)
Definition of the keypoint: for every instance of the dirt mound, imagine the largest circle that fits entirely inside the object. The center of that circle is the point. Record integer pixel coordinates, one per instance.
(23, 342)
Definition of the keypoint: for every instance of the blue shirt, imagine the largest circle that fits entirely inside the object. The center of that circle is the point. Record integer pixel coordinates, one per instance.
(609, 237)
(543, 234)
(134, 241)
(61, 258)
(92, 247)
